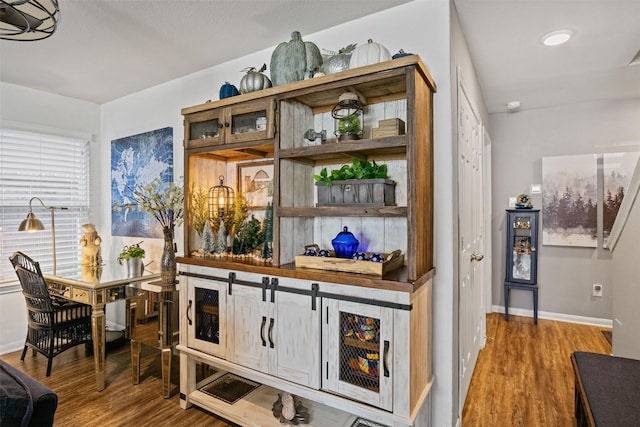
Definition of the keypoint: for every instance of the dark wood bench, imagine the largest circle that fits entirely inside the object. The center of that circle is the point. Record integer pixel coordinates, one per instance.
(607, 392)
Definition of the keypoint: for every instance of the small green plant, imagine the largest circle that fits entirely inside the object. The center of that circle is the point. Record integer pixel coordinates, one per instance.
(131, 251)
(349, 125)
(358, 169)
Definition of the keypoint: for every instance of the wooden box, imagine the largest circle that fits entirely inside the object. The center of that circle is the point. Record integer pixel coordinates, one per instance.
(393, 261)
(372, 192)
(388, 127)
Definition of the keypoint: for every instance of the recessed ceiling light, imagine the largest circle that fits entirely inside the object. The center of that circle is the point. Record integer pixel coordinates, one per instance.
(557, 37)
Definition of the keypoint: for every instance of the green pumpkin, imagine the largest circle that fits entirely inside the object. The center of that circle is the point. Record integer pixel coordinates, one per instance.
(294, 60)
(254, 80)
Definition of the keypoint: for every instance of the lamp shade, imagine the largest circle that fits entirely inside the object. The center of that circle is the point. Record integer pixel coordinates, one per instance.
(31, 223)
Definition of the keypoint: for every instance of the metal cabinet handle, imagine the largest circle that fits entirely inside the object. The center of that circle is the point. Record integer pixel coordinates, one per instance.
(264, 322)
(385, 362)
(476, 256)
(220, 125)
(188, 311)
(226, 124)
(271, 344)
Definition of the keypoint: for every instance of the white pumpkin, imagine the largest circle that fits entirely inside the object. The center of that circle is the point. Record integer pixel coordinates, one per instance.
(367, 54)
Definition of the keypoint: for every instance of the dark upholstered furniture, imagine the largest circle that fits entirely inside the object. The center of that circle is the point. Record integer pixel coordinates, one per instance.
(607, 392)
(54, 324)
(23, 400)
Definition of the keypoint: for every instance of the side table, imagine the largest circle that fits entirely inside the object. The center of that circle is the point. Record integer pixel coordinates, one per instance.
(166, 296)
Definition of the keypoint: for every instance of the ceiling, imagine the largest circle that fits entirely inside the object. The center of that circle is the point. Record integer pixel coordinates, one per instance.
(106, 49)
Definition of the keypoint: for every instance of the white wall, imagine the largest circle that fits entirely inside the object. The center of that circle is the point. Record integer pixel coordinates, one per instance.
(21, 106)
(626, 280)
(520, 141)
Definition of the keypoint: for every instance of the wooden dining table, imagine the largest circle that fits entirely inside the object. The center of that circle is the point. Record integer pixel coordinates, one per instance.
(97, 286)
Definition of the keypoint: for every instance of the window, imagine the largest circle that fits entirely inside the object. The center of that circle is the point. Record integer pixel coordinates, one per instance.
(54, 169)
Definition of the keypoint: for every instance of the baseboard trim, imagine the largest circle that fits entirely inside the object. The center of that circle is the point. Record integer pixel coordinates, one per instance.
(560, 317)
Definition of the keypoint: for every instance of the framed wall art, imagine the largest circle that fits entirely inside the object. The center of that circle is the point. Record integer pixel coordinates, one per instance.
(255, 183)
(138, 160)
(570, 200)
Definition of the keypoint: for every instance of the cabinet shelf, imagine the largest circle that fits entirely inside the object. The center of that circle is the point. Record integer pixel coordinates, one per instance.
(262, 149)
(365, 345)
(391, 145)
(211, 309)
(344, 211)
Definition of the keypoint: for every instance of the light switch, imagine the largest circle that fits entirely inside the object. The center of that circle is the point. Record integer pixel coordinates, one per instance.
(536, 188)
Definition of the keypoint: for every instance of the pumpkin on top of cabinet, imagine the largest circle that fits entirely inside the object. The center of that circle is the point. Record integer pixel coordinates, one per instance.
(339, 61)
(228, 90)
(294, 60)
(367, 54)
(401, 53)
(254, 80)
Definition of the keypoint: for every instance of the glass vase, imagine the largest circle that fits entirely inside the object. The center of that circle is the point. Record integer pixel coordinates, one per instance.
(168, 260)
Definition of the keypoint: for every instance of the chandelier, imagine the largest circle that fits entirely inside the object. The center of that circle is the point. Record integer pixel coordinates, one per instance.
(27, 20)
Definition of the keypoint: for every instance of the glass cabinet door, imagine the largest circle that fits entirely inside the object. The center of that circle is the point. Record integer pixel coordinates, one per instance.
(250, 121)
(358, 359)
(206, 315)
(204, 129)
(522, 246)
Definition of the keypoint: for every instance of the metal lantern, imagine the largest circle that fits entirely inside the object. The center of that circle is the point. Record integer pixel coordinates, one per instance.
(349, 117)
(221, 200)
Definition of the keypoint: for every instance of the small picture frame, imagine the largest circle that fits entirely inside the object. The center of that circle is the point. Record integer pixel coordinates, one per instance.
(255, 183)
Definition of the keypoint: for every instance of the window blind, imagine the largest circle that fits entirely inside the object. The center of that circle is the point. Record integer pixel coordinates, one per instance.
(56, 170)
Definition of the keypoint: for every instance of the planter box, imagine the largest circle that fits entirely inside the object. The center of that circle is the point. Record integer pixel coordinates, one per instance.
(358, 192)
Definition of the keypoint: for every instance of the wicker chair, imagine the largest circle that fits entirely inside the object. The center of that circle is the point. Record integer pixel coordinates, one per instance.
(54, 324)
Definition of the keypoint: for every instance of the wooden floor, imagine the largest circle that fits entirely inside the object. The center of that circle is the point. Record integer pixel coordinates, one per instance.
(524, 377)
(121, 403)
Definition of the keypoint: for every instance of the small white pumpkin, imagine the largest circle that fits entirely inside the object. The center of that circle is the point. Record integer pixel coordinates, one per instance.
(367, 54)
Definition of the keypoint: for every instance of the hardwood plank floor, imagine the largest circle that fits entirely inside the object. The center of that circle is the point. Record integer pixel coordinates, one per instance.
(122, 403)
(523, 376)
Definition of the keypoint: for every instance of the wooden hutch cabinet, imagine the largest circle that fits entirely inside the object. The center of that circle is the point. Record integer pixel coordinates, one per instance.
(349, 345)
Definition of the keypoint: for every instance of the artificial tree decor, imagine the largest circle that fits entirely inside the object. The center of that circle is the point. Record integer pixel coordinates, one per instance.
(207, 239)
(221, 239)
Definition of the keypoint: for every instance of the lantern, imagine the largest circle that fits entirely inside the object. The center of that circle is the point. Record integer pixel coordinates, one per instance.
(349, 117)
(221, 200)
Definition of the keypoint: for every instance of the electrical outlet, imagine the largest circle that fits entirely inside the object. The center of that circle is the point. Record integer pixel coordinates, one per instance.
(512, 202)
(597, 290)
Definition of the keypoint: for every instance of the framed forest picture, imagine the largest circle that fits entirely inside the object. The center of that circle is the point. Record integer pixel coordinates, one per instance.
(570, 200)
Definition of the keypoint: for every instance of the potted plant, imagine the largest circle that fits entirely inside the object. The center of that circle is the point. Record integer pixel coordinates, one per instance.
(358, 183)
(133, 255)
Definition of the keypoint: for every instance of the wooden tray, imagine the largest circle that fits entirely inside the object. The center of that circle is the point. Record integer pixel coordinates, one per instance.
(393, 261)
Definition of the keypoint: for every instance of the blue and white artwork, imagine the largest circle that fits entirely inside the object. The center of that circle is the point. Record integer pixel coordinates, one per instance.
(137, 160)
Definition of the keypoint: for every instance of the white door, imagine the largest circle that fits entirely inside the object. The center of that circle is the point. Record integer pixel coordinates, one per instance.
(471, 243)
(207, 315)
(249, 325)
(295, 355)
(358, 354)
